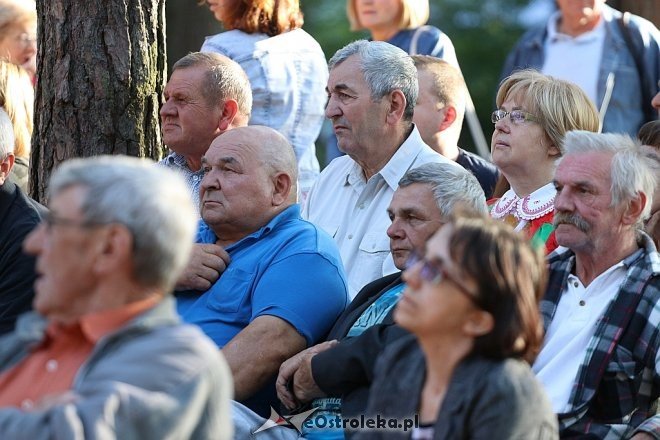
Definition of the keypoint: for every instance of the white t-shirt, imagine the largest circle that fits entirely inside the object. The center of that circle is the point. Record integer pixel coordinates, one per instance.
(575, 59)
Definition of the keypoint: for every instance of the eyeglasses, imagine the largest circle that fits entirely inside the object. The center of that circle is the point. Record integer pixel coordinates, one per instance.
(433, 272)
(516, 116)
(49, 220)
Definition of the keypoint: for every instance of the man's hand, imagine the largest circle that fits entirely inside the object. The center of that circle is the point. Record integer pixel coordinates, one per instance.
(289, 368)
(642, 436)
(207, 262)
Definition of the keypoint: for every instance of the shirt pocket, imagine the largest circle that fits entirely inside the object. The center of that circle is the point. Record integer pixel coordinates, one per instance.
(375, 243)
(616, 397)
(231, 292)
(373, 250)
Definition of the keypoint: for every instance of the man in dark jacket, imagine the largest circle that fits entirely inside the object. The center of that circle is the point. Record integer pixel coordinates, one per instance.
(19, 214)
(426, 197)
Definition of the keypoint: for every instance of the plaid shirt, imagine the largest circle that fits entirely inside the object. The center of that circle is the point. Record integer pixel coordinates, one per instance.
(193, 179)
(618, 383)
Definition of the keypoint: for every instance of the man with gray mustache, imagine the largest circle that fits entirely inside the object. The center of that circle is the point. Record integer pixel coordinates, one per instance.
(600, 361)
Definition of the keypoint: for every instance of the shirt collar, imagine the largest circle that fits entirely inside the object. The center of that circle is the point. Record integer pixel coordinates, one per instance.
(95, 326)
(206, 234)
(179, 161)
(400, 162)
(396, 167)
(530, 207)
(555, 35)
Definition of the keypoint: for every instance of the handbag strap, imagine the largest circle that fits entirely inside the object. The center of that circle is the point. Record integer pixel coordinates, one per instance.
(415, 38)
(624, 25)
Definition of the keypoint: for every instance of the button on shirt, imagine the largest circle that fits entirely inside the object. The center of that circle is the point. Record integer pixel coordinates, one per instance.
(571, 332)
(354, 210)
(52, 366)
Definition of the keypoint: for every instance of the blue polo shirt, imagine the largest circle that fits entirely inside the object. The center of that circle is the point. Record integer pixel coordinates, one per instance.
(289, 268)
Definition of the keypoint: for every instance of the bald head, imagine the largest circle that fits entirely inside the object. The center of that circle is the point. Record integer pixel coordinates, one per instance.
(273, 150)
(251, 175)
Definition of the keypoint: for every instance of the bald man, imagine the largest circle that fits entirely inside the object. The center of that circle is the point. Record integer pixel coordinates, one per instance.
(284, 285)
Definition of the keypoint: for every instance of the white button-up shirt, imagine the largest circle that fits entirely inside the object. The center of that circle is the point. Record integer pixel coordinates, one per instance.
(354, 210)
(574, 324)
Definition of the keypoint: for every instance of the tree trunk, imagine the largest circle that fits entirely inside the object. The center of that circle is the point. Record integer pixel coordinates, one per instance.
(100, 81)
(649, 9)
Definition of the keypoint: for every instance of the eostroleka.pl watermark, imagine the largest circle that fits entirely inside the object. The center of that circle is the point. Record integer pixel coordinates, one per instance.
(308, 421)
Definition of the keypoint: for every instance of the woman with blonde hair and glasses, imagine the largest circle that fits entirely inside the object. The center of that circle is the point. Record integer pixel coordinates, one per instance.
(534, 112)
(286, 67)
(17, 99)
(471, 304)
(18, 33)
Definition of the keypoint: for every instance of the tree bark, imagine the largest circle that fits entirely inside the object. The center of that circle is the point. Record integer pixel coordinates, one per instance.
(101, 74)
(649, 9)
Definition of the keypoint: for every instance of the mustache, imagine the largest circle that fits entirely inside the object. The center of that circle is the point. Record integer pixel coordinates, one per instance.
(574, 219)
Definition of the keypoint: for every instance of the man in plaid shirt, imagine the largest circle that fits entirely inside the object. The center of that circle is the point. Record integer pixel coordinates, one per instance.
(600, 362)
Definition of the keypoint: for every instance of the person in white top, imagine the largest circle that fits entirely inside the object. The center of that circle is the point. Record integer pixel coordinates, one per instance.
(534, 112)
(372, 91)
(613, 56)
(600, 361)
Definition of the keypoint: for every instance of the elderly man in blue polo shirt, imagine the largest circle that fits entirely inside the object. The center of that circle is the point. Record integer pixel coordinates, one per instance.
(284, 286)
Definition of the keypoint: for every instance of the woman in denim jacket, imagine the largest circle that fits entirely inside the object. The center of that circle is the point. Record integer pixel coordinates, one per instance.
(286, 67)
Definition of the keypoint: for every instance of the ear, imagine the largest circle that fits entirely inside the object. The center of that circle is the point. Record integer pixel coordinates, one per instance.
(282, 185)
(397, 107)
(449, 116)
(634, 209)
(229, 111)
(553, 150)
(479, 323)
(5, 167)
(115, 250)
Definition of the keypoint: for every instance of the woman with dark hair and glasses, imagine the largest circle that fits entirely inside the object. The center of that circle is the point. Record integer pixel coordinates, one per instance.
(471, 306)
(534, 112)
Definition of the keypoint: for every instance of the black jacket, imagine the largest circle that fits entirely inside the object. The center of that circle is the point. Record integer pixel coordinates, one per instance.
(19, 215)
(346, 370)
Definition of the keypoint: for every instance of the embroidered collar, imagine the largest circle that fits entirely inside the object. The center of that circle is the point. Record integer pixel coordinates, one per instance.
(531, 207)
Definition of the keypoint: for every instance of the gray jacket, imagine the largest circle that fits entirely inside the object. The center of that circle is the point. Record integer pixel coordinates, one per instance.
(486, 399)
(152, 379)
(619, 88)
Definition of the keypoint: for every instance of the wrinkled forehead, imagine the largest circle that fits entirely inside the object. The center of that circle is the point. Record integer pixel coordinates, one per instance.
(416, 198)
(349, 72)
(234, 148)
(592, 168)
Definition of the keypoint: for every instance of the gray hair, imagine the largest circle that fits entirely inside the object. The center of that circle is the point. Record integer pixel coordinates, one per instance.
(152, 202)
(451, 185)
(6, 135)
(225, 79)
(631, 172)
(385, 68)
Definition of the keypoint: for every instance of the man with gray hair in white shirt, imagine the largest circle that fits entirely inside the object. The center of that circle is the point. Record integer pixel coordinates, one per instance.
(372, 91)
